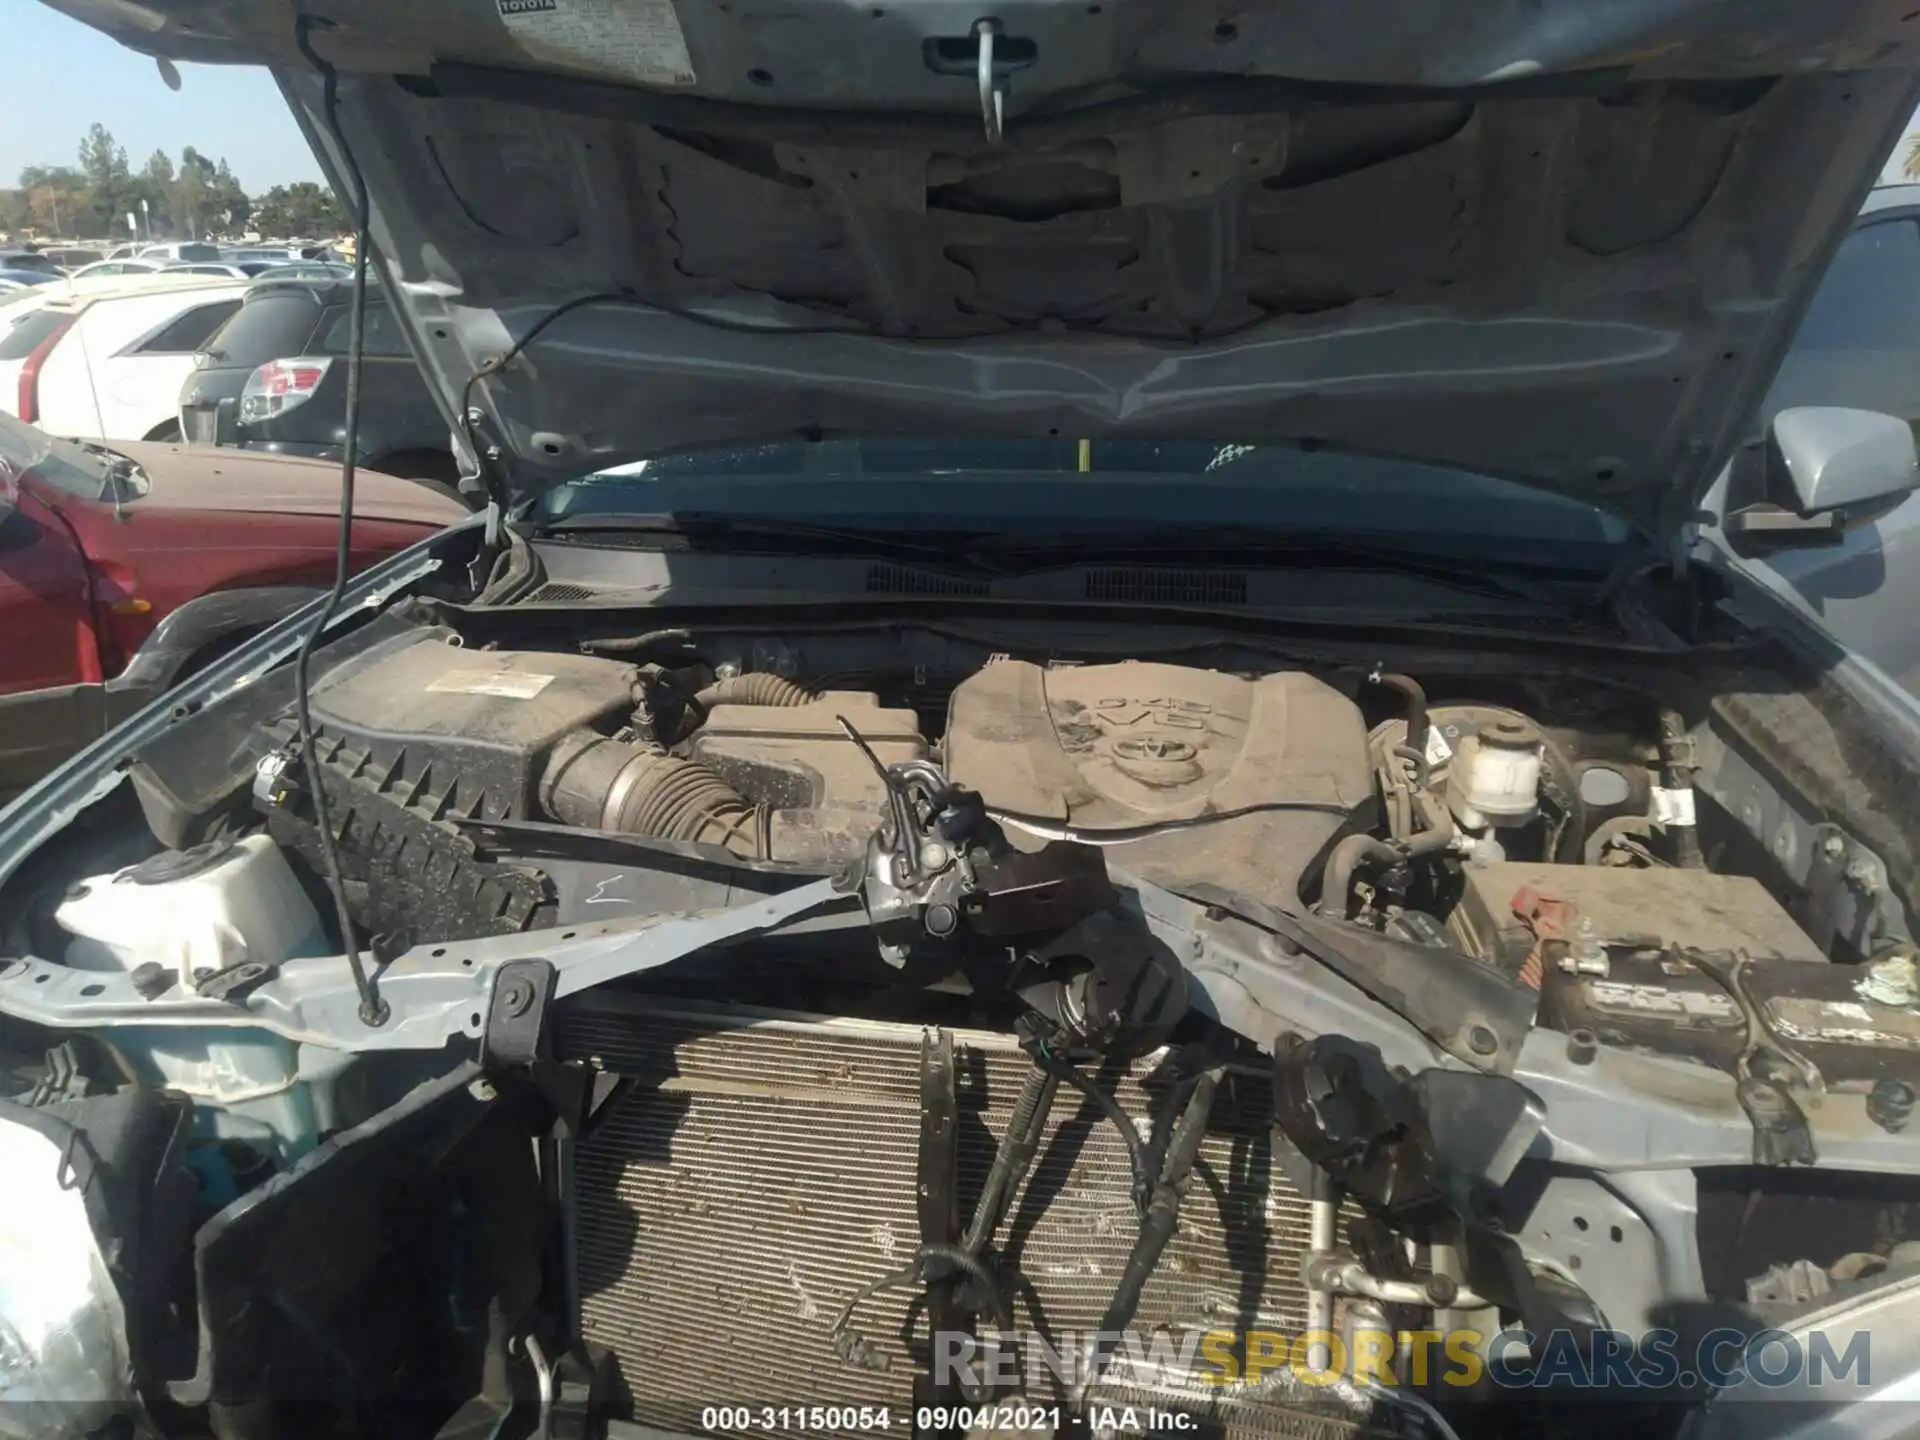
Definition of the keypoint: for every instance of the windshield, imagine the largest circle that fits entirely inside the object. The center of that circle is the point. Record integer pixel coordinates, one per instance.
(59, 463)
(1123, 487)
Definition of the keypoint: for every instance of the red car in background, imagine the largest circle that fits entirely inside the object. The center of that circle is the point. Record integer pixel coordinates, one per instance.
(124, 568)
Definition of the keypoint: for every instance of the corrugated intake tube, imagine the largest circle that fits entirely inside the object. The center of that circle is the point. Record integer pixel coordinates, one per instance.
(756, 687)
(602, 784)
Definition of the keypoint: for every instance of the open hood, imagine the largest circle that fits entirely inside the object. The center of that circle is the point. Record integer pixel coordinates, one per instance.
(1560, 242)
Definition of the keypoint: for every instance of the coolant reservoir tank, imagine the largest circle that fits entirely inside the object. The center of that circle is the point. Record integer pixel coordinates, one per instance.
(193, 911)
(1495, 775)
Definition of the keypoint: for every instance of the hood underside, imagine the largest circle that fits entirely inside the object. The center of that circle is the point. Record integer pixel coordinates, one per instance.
(1562, 243)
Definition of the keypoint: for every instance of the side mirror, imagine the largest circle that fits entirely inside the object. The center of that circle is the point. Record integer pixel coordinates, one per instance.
(1838, 458)
(1821, 469)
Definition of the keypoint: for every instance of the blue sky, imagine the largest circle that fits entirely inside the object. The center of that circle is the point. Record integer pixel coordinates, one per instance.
(61, 76)
(73, 75)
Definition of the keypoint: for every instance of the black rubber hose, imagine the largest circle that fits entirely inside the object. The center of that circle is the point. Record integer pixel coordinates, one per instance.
(1415, 697)
(855, 1349)
(757, 687)
(1109, 1107)
(638, 644)
(1012, 1158)
(1336, 887)
(1676, 774)
(1162, 1217)
(603, 784)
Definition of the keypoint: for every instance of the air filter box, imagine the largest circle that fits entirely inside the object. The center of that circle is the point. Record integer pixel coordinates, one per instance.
(473, 727)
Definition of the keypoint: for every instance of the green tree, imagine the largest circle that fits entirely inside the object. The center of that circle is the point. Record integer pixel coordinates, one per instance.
(190, 201)
(110, 191)
(199, 196)
(230, 204)
(205, 199)
(300, 209)
(58, 201)
(154, 185)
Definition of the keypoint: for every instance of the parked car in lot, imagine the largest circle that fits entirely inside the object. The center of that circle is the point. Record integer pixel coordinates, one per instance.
(255, 262)
(71, 257)
(307, 270)
(170, 252)
(109, 365)
(207, 267)
(260, 255)
(24, 258)
(273, 377)
(124, 567)
(22, 279)
(127, 266)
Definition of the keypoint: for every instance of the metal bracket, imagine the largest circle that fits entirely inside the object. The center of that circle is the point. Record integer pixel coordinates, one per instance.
(1768, 1071)
(516, 1018)
(1842, 889)
(439, 993)
(566, 1384)
(233, 982)
(516, 1039)
(939, 1196)
(993, 88)
(1780, 1132)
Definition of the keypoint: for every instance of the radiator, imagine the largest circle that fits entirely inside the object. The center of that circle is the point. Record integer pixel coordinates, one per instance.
(761, 1170)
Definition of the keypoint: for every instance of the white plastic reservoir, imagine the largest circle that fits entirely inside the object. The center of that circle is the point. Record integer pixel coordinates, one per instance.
(194, 911)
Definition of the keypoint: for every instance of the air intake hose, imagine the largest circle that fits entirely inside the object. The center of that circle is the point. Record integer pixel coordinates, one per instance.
(756, 687)
(602, 784)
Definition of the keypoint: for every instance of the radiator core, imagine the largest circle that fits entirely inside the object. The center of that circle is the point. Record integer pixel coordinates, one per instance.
(762, 1169)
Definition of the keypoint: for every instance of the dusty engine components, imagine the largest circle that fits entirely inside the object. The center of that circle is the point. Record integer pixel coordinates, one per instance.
(511, 735)
(1509, 788)
(474, 726)
(1629, 909)
(1495, 775)
(1186, 775)
(794, 755)
(604, 784)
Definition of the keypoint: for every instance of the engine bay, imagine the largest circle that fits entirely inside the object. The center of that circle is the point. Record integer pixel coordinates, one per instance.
(1256, 774)
(1182, 774)
(1534, 846)
(1211, 956)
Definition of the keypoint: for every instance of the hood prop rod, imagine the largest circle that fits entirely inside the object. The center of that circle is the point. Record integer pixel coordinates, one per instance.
(373, 1010)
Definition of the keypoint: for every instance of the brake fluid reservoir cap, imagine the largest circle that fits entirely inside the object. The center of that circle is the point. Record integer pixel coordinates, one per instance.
(1510, 732)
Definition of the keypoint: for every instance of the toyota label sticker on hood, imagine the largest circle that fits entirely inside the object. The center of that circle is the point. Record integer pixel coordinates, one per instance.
(632, 39)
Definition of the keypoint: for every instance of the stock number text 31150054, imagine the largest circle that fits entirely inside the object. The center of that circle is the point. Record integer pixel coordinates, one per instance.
(813, 1419)
(796, 1419)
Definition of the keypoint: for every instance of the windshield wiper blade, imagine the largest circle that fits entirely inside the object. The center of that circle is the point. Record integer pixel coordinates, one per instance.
(792, 536)
(1220, 546)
